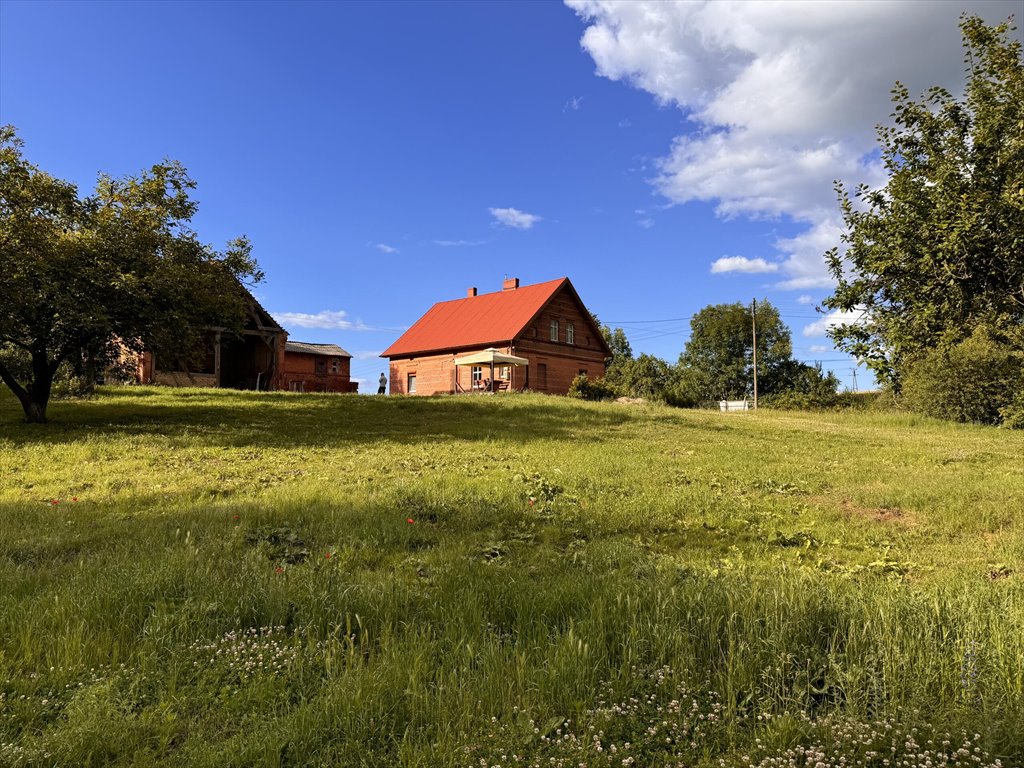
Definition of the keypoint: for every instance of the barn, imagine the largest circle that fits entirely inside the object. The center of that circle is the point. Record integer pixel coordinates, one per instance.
(252, 359)
(316, 368)
(545, 326)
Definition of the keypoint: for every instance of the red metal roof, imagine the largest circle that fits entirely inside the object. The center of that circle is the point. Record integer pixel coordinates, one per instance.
(476, 321)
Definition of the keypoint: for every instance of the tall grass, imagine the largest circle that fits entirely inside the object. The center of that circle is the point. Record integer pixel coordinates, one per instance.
(232, 579)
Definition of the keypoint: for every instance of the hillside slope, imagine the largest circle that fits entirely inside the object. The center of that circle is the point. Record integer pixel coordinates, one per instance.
(215, 578)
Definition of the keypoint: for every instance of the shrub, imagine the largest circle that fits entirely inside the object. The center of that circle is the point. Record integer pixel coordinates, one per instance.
(977, 380)
(591, 389)
(792, 400)
(1013, 414)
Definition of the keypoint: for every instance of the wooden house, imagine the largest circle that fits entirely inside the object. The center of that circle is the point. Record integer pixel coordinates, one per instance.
(252, 359)
(316, 368)
(545, 324)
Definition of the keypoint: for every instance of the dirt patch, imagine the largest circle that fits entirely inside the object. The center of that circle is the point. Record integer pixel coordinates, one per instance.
(850, 508)
(880, 514)
(630, 400)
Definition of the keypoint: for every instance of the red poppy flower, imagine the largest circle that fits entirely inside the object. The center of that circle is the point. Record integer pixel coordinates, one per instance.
(530, 502)
(54, 502)
(74, 498)
(236, 517)
(328, 555)
(279, 569)
(409, 520)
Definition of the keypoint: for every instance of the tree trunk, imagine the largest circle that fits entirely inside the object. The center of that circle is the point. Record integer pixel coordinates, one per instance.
(36, 396)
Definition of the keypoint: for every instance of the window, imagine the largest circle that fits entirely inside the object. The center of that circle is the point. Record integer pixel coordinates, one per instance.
(503, 372)
(477, 374)
(582, 372)
(321, 367)
(298, 386)
(554, 330)
(411, 388)
(335, 366)
(570, 333)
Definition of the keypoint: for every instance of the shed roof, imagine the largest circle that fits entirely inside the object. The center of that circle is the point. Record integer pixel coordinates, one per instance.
(478, 321)
(305, 348)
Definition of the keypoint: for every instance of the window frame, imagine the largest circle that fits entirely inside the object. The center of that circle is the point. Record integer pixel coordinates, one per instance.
(570, 333)
(553, 330)
(410, 383)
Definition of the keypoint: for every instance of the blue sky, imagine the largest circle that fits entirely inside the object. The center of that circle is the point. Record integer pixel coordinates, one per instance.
(385, 156)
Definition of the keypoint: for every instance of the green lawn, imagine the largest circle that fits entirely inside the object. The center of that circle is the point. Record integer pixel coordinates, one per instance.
(217, 578)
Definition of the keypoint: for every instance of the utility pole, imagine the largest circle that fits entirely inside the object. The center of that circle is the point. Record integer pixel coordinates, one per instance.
(854, 371)
(753, 320)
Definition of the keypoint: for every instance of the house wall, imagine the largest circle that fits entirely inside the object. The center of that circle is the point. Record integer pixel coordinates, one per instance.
(433, 374)
(301, 367)
(563, 365)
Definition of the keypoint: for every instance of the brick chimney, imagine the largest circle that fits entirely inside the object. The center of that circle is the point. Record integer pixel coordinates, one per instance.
(511, 283)
(470, 292)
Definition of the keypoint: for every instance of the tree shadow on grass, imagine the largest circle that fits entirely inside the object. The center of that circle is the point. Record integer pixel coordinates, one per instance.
(223, 417)
(283, 420)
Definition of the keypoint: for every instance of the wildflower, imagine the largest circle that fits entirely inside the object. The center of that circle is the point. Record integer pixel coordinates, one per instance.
(74, 498)
(279, 569)
(237, 517)
(327, 555)
(54, 502)
(409, 520)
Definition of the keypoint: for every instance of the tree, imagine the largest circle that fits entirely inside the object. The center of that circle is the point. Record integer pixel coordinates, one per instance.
(718, 362)
(646, 376)
(936, 253)
(86, 278)
(616, 341)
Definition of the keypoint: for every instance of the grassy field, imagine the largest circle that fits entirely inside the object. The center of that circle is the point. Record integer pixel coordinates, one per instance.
(212, 578)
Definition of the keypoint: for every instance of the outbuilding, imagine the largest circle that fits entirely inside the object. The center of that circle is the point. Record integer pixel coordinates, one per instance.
(317, 368)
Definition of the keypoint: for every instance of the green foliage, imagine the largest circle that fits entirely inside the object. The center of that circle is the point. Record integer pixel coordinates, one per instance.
(585, 388)
(811, 580)
(1012, 415)
(810, 388)
(617, 342)
(717, 363)
(971, 381)
(646, 376)
(936, 252)
(85, 278)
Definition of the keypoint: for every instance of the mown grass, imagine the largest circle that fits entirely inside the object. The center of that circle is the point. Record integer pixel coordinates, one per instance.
(233, 579)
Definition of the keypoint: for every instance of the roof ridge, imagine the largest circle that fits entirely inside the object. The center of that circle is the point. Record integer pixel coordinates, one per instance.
(470, 321)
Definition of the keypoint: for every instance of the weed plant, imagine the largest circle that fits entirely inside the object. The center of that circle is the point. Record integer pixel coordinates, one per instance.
(213, 578)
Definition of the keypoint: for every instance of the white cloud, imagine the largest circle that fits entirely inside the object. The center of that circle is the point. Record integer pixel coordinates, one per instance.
(367, 354)
(625, 123)
(573, 103)
(742, 264)
(805, 299)
(335, 320)
(385, 248)
(512, 217)
(817, 349)
(458, 243)
(782, 97)
(836, 317)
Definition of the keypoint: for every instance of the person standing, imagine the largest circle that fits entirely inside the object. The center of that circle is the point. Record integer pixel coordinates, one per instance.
(383, 382)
